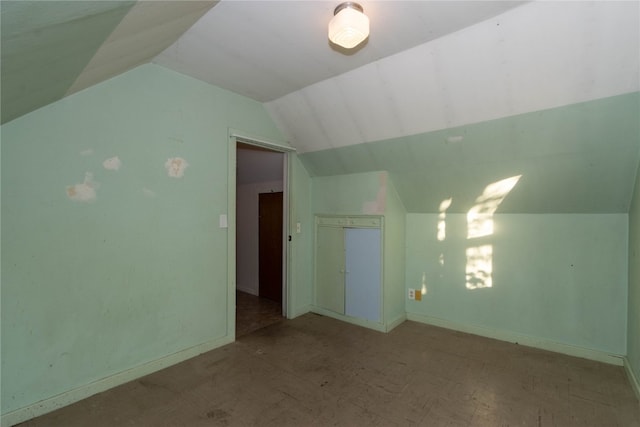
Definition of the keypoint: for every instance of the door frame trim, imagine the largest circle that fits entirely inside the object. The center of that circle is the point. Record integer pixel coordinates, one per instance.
(235, 136)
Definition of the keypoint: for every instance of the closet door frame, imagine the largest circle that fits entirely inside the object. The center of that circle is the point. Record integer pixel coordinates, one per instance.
(343, 222)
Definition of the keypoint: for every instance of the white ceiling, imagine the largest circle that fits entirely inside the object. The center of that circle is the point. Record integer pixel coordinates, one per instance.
(267, 49)
(537, 56)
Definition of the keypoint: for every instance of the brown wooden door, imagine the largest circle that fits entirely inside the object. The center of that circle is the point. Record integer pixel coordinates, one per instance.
(270, 246)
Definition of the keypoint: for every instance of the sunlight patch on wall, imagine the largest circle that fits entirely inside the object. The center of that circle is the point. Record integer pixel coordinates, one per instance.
(442, 216)
(480, 216)
(424, 283)
(479, 267)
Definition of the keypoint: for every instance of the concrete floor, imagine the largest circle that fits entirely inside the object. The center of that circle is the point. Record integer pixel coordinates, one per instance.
(316, 371)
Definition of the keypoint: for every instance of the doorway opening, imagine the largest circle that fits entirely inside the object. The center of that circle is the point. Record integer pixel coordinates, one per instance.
(260, 225)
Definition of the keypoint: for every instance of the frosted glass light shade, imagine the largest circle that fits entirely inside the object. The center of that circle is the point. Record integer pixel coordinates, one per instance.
(348, 28)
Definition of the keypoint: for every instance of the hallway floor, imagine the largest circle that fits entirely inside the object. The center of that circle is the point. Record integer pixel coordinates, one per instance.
(317, 371)
(253, 313)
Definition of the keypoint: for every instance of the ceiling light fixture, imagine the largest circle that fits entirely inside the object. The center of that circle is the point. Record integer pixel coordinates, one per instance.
(349, 26)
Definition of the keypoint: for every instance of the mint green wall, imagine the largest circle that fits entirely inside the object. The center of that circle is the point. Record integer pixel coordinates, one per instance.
(633, 327)
(354, 194)
(394, 255)
(301, 244)
(560, 278)
(578, 158)
(576, 167)
(92, 289)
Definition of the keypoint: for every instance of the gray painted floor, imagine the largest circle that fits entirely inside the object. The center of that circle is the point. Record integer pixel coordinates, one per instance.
(316, 371)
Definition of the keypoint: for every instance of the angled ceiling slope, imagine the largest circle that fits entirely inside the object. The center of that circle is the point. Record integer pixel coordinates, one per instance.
(51, 49)
(581, 158)
(547, 92)
(260, 49)
(267, 49)
(533, 57)
(46, 45)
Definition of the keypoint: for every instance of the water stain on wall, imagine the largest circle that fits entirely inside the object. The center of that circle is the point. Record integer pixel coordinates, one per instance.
(377, 207)
(175, 167)
(112, 164)
(85, 191)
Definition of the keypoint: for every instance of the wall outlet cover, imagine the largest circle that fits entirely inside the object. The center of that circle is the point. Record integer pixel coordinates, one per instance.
(412, 294)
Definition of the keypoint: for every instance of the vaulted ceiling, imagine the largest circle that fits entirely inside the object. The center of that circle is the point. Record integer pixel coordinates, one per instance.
(431, 72)
(52, 49)
(537, 56)
(261, 49)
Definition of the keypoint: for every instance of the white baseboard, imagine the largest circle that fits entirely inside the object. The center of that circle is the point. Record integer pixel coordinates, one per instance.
(299, 311)
(397, 322)
(635, 384)
(376, 326)
(82, 392)
(529, 341)
(250, 291)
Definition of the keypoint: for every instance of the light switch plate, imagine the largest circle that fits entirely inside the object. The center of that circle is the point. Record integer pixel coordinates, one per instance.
(223, 221)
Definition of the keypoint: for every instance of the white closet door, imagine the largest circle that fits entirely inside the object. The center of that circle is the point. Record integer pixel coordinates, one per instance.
(362, 278)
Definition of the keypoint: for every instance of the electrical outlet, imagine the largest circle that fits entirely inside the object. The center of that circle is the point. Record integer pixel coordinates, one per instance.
(412, 294)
